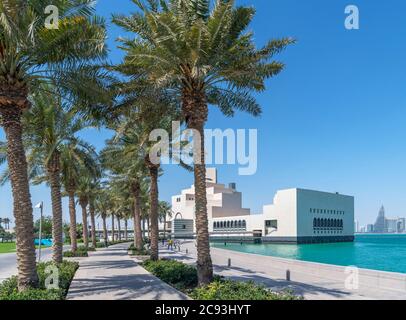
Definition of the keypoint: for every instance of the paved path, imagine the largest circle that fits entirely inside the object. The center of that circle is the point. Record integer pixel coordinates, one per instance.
(307, 281)
(111, 274)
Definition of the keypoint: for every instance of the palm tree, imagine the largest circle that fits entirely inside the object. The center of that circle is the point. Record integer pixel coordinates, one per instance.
(199, 56)
(48, 130)
(165, 210)
(50, 133)
(75, 158)
(85, 193)
(6, 222)
(92, 210)
(30, 53)
(132, 139)
(102, 208)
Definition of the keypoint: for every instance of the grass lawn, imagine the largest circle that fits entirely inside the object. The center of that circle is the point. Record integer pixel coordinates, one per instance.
(9, 247)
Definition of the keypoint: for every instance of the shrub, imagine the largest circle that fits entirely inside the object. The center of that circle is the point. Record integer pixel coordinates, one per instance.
(134, 251)
(80, 252)
(67, 269)
(221, 289)
(177, 274)
(101, 245)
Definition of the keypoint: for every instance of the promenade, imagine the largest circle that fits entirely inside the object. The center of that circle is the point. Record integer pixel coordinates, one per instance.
(313, 281)
(111, 274)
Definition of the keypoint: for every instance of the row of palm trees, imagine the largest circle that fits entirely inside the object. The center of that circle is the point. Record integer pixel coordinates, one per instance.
(180, 57)
(6, 222)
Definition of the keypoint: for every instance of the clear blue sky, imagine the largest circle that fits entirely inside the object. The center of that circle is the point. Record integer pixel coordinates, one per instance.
(334, 120)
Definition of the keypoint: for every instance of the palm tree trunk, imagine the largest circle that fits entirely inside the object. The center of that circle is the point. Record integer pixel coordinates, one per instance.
(112, 227)
(119, 228)
(56, 199)
(105, 233)
(153, 172)
(164, 227)
(93, 222)
(148, 227)
(125, 229)
(17, 163)
(194, 106)
(83, 204)
(138, 236)
(72, 215)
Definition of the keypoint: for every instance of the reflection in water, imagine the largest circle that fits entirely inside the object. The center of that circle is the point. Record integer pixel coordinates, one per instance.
(379, 252)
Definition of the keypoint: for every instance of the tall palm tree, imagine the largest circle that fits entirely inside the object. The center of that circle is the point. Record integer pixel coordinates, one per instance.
(48, 130)
(86, 192)
(92, 212)
(165, 210)
(75, 158)
(102, 207)
(7, 223)
(200, 56)
(133, 139)
(30, 53)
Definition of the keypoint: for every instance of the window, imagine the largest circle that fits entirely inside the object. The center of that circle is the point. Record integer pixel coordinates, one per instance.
(271, 224)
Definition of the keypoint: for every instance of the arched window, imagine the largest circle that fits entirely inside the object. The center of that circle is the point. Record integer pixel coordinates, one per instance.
(221, 224)
(228, 224)
(244, 223)
(314, 223)
(232, 224)
(214, 225)
(329, 223)
(239, 224)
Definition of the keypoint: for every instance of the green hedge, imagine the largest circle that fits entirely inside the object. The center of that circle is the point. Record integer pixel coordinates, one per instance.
(67, 269)
(80, 252)
(134, 251)
(238, 290)
(184, 278)
(177, 274)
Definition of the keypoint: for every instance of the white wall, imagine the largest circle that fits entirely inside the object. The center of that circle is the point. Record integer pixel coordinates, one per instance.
(308, 199)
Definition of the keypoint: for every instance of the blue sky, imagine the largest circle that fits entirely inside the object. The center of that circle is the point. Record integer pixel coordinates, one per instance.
(333, 120)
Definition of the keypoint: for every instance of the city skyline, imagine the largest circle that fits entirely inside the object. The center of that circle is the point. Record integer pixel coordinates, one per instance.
(329, 129)
(383, 224)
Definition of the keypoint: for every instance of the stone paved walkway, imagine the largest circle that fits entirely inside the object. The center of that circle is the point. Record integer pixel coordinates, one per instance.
(111, 274)
(307, 279)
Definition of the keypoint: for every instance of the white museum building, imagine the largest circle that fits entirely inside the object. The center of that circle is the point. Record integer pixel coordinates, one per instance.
(295, 216)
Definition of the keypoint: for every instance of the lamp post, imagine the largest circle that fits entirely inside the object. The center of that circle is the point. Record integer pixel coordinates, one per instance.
(40, 206)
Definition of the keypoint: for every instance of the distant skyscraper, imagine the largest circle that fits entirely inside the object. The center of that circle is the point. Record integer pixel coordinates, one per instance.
(356, 226)
(370, 228)
(380, 224)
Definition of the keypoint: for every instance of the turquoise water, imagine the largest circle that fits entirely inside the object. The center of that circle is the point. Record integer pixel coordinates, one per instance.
(378, 252)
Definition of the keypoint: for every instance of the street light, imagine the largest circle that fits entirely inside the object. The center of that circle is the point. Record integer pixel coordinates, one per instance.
(40, 206)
